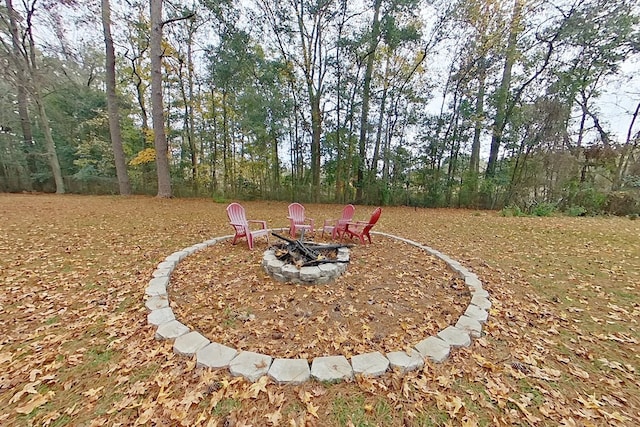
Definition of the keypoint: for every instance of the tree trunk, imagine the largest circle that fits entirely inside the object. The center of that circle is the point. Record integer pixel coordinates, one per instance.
(157, 104)
(34, 83)
(503, 91)
(373, 169)
(23, 101)
(627, 150)
(316, 126)
(474, 163)
(226, 150)
(366, 93)
(190, 122)
(50, 146)
(112, 103)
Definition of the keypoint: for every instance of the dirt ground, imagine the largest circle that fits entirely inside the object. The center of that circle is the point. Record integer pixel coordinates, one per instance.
(392, 296)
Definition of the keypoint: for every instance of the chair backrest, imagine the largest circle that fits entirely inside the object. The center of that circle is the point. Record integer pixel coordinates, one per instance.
(296, 212)
(347, 214)
(374, 218)
(236, 213)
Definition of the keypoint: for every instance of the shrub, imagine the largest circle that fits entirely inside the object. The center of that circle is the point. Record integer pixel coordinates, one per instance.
(512, 210)
(586, 196)
(543, 209)
(576, 211)
(622, 203)
(219, 198)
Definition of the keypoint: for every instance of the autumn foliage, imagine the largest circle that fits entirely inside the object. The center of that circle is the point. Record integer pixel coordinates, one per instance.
(560, 347)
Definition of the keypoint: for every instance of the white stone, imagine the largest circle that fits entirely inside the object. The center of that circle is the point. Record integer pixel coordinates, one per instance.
(290, 271)
(171, 330)
(215, 356)
(331, 368)
(330, 269)
(471, 326)
(200, 246)
(188, 344)
(473, 282)
(160, 316)
(275, 265)
(176, 256)
(250, 365)
(480, 293)
(455, 337)
(477, 313)
(290, 371)
(157, 286)
(370, 364)
(161, 272)
(481, 302)
(404, 361)
(156, 302)
(309, 274)
(167, 264)
(434, 348)
(323, 280)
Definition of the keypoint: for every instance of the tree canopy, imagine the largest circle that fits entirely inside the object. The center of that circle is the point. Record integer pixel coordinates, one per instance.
(472, 103)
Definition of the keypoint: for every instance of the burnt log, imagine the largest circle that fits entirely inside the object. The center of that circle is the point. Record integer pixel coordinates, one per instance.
(306, 254)
(316, 262)
(312, 245)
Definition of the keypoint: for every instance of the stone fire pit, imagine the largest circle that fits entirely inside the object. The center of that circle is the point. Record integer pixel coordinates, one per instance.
(310, 275)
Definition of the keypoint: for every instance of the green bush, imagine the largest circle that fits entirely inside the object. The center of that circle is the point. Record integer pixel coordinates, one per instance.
(576, 211)
(543, 209)
(512, 210)
(219, 198)
(585, 195)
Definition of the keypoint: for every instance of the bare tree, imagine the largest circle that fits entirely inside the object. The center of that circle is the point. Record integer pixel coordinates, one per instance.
(157, 103)
(24, 59)
(112, 103)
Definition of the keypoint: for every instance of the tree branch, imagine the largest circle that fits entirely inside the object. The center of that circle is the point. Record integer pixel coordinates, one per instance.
(180, 18)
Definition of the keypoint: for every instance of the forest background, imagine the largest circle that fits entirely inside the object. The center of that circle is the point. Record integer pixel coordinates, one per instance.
(530, 105)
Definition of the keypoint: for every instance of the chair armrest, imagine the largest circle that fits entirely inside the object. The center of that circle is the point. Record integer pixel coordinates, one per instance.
(257, 221)
(356, 224)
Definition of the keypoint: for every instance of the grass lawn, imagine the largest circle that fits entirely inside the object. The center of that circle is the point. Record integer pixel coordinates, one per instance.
(561, 346)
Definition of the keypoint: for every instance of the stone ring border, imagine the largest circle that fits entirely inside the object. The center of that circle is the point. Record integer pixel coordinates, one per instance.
(253, 365)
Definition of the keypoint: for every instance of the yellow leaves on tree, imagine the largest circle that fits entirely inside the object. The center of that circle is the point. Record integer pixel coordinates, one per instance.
(147, 155)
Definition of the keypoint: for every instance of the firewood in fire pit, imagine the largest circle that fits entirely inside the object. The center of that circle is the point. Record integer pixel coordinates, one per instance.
(301, 254)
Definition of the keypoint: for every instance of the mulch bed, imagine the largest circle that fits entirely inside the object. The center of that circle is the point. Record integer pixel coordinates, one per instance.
(392, 296)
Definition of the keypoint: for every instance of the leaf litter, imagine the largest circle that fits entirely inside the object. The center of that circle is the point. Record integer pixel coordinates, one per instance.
(560, 346)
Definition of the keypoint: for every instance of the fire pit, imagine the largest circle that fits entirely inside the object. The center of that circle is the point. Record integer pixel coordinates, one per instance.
(309, 263)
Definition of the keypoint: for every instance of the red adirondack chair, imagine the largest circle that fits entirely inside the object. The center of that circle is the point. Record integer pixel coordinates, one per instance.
(337, 226)
(241, 225)
(297, 219)
(361, 229)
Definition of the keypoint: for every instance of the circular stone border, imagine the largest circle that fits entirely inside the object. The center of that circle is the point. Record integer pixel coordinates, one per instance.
(253, 365)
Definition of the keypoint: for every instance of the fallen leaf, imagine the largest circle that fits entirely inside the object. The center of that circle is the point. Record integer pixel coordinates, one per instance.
(274, 417)
(35, 402)
(258, 386)
(312, 409)
(578, 372)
